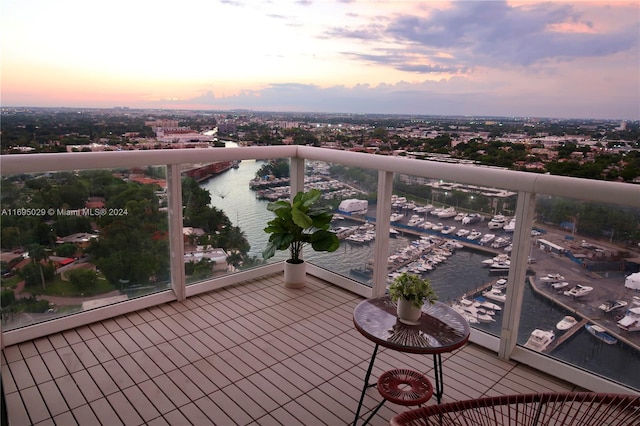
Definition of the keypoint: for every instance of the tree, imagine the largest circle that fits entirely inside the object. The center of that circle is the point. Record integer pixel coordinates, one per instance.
(66, 250)
(37, 253)
(83, 279)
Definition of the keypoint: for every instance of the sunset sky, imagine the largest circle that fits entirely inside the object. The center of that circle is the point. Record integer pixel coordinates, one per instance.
(542, 59)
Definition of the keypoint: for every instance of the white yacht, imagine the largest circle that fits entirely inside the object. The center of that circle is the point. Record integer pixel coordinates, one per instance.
(552, 278)
(474, 235)
(487, 238)
(566, 323)
(500, 242)
(497, 222)
(396, 217)
(611, 305)
(631, 320)
(447, 213)
(415, 220)
(499, 258)
(460, 216)
(437, 227)
(500, 284)
(578, 291)
(496, 295)
(540, 340)
(462, 232)
(471, 218)
(511, 226)
(448, 229)
(559, 285)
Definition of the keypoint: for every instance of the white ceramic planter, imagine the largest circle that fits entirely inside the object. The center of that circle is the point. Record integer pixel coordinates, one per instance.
(295, 274)
(407, 313)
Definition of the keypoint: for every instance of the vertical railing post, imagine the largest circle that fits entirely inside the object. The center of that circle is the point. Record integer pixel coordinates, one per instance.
(296, 175)
(525, 209)
(176, 238)
(296, 180)
(381, 249)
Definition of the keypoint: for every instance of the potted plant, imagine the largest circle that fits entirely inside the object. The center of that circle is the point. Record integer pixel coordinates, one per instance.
(411, 292)
(299, 223)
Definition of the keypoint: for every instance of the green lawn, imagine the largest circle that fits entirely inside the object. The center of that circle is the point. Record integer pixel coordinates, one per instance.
(58, 287)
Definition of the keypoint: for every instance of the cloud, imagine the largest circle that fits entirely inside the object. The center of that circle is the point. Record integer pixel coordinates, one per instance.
(232, 2)
(456, 96)
(487, 33)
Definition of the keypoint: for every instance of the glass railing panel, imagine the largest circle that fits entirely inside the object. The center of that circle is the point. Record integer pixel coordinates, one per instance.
(74, 241)
(457, 240)
(351, 192)
(227, 234)
(584, 267)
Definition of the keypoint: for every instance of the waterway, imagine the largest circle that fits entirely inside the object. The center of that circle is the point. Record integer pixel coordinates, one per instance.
(461, 273)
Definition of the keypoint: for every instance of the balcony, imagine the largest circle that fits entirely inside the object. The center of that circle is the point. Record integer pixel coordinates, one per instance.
(254, 353)
(189, 352)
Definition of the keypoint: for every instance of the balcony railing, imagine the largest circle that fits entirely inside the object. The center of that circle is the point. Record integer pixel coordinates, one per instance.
(527, 186)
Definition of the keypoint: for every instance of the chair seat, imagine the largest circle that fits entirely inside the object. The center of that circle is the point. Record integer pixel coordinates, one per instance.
(405, 387)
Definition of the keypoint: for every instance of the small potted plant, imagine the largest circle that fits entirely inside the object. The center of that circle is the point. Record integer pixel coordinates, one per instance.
(298, 223)
(411, 292)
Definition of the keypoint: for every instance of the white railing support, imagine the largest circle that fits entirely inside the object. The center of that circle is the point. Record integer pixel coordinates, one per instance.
(176, 235)
(381, 249)
(517, 273)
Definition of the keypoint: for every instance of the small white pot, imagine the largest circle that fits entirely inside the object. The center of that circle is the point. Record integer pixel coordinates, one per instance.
(295, 274)
(407, 313)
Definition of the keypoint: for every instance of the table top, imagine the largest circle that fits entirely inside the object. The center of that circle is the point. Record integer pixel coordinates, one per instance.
(439, 329)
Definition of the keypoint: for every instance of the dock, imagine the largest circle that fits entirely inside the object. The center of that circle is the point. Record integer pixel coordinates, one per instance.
(565, 336)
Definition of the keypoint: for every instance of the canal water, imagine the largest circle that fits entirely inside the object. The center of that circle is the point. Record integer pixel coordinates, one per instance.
(461, 273)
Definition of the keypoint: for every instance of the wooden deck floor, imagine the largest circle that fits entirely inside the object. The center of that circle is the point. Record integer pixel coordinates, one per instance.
(253, 354)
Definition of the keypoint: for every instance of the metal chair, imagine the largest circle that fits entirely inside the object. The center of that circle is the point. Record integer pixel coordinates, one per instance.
(569, 408)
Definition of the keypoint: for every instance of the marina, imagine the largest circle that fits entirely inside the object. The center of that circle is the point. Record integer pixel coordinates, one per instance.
(463, 273)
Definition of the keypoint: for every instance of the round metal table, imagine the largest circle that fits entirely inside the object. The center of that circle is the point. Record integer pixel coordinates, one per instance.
(440, 329)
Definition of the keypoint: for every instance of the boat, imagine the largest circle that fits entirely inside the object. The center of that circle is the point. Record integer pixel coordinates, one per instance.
(482, 302)
(496, 259)
(422, 209)
(497, 222)
(471, 218)
(511, 226)
(500, 242)
(415, 220)
(459, 217)
(500, 266)
(447, 213)
(471, 319)
(631, 320)
(611, 305)
(578, 291)
(496, 295)
(601, 334)
(560, 285)
(566, 323)
(448, 230)
(474, 235)
(552, 278)
(500, 284)
(396, 217)
(487, 238)
(485, 318)
(540, 340)
(462, 232)
(426, 225)
(437, 227)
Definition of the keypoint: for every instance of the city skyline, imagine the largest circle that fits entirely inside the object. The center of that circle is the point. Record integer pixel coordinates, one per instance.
(554, 59)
